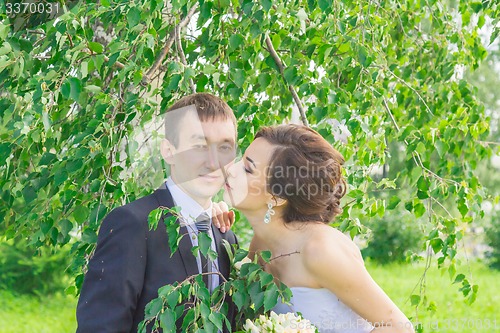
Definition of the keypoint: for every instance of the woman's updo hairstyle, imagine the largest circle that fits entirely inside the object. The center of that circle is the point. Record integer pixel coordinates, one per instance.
(306, 171)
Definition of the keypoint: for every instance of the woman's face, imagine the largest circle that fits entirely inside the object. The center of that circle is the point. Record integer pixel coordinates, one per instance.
(245, 188)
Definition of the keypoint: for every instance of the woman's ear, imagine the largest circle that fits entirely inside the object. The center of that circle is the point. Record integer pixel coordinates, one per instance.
(167, 150)
(279, 201)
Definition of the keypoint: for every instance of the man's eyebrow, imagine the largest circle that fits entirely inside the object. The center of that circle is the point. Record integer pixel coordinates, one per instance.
(202, 137)
(251, 161)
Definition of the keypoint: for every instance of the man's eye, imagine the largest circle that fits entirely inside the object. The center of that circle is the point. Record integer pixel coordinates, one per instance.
(200, 146)
(226, 148)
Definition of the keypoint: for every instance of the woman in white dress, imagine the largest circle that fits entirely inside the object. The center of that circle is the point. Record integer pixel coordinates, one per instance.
(289, 184)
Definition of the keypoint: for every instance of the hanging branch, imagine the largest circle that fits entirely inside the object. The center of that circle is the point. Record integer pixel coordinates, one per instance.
(182, 56)
(279, 63)
(169, 43)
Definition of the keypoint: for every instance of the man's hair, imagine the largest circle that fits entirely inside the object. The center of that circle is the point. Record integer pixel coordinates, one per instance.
(208, 107)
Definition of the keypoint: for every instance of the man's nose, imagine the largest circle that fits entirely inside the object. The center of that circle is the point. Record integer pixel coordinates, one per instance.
(213, 158)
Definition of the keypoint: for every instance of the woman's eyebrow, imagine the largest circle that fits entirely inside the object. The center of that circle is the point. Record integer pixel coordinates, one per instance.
(251, 161)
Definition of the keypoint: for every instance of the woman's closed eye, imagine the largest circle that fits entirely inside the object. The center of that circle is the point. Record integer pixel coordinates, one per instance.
(247, 170)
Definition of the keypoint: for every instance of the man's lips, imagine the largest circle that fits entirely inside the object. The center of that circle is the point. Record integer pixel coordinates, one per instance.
(210, 177)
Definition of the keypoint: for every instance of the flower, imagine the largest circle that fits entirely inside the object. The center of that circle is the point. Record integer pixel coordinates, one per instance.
(279, 323)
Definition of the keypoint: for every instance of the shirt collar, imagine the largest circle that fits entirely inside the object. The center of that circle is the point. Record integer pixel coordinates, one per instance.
(190, 209)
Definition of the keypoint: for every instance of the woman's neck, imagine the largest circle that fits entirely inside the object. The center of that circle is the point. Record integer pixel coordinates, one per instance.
(275, 236)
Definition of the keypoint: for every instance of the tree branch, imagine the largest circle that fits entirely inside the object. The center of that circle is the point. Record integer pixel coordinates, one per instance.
(412, 89)
(169, 43)
(182, 56)
(279, 63)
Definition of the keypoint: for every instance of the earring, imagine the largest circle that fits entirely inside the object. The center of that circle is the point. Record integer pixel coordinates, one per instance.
(270, 211)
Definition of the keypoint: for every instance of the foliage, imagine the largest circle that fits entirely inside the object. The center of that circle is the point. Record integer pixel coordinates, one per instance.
(493, 240)
(27, 270)
(252, 290)
(73, 92)
(393, 238)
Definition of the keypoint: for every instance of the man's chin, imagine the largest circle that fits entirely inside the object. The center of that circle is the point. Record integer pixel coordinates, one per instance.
(209, 188)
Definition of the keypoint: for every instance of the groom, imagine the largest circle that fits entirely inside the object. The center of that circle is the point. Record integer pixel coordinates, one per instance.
(131, 262)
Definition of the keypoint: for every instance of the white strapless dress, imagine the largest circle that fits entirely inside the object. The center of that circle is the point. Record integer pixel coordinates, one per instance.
(324, 310)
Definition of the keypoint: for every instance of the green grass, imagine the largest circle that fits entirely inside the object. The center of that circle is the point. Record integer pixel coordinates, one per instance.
(452, 313)
(56, 314)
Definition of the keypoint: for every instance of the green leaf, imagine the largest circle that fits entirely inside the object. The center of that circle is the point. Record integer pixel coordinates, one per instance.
(153, 308)
(264, 79)
(80, 214)
(173, 228)
(325, 5)
(393, 202)
(239, 77)
(96, 47)
(267, 4)
(291, 75)
(270, 298)
(442, 148)
(167, 321)
(266, 256)
(419, 209)
(65, 89)
(29, 194)
(240, 298)
(363, 57)
(235, 41)
(5, 150)
(204, 242)
(47, 159)
(92, 88)
(89, 236)
(216, 318)
(173, 298)
(74, 165)
(265, 278)
(133, 17)
(415, 300)
(75, 88)
(459, 278)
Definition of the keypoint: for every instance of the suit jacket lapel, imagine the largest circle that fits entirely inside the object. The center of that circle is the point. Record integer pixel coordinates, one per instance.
(164, 199)
(185, 246)
(221, 251)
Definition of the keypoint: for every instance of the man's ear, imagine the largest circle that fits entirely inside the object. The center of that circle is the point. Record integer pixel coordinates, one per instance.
(167, 150)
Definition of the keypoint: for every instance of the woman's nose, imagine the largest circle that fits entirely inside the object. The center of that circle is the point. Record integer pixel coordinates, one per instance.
(230, 169)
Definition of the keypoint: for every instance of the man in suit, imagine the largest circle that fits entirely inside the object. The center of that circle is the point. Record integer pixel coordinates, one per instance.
(131, 262)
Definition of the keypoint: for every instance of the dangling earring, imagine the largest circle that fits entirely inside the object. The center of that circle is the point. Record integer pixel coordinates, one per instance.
(270, 211)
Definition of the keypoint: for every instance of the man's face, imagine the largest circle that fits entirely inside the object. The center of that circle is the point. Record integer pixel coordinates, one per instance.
(202, 149)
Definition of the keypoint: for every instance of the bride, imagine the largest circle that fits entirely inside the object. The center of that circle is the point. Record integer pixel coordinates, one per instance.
(289, 184)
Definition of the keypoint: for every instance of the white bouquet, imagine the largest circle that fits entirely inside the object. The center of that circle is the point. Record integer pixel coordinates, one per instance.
(282, 323)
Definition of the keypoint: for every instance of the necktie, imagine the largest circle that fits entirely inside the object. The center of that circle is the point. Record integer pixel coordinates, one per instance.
(203, 225)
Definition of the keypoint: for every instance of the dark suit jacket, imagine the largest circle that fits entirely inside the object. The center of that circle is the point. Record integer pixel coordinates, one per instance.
(131, 263)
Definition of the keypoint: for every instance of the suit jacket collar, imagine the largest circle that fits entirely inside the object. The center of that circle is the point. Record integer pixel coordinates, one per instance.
(164, 199)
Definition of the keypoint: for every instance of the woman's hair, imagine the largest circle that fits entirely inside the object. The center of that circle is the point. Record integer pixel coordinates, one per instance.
(306, 171)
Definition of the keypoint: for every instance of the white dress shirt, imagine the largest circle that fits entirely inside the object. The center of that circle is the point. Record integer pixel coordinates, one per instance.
(190, 210)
